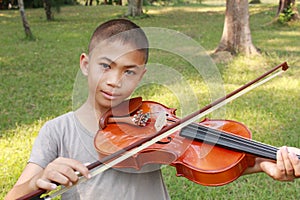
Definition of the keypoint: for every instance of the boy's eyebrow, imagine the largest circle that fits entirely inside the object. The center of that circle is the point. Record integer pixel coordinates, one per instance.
(126, 66)
(107, 59)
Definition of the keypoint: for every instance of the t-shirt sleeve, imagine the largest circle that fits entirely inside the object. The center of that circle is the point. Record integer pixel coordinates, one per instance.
(45, 147)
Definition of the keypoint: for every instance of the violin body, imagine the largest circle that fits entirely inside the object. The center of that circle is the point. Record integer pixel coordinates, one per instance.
(200, 162)
(211, 165)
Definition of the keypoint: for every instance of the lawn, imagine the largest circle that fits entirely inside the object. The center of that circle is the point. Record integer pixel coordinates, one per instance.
(38, 78)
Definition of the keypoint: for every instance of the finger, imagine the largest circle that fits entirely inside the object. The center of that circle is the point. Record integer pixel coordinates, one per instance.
(57, 175)
(75, 165)
(280, 162)
(296, 163)
(66, 174)
(294, 150)
(43, 184)
(279, 172)
(289, 170)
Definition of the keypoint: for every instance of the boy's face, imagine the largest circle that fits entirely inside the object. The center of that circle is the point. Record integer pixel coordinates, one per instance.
(114, 71)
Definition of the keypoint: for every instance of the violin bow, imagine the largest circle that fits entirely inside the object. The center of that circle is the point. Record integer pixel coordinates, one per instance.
(121, 155)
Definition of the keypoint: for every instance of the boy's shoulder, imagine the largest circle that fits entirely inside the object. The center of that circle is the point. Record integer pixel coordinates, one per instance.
(60, 126)
(62, 119)
(67, 115)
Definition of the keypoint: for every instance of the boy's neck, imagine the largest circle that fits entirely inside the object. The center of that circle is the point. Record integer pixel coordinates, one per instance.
(88, 117)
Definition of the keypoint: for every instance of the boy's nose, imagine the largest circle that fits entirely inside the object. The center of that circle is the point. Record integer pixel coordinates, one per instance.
(115, 80)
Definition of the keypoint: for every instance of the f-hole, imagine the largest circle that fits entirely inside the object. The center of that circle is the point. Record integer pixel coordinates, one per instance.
(165, 140)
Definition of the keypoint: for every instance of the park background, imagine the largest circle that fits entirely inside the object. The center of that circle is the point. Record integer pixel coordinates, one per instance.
(37, 78)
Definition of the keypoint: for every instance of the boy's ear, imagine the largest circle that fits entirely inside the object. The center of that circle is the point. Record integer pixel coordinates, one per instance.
(84, 64)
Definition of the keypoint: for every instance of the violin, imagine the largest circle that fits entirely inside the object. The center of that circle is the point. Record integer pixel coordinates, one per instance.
(212, 152)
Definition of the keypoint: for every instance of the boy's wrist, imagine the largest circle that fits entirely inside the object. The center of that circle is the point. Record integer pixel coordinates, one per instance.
(256, 167)
(33, 182)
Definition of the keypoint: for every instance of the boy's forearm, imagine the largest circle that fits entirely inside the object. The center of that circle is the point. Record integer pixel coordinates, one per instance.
(18, 191)
(22, 189)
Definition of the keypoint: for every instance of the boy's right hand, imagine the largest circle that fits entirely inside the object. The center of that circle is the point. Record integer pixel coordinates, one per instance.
(62, 171)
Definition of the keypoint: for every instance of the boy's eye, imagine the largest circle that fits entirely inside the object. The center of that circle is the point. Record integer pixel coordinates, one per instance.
(130, 72)
(104, 65)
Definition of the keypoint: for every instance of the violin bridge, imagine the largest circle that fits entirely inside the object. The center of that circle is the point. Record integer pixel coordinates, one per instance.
(161, 121)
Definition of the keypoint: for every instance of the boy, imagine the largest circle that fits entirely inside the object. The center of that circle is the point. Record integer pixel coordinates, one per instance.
(118, 53)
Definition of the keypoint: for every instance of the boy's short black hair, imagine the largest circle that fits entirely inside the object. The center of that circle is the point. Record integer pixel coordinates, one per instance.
(120, 30)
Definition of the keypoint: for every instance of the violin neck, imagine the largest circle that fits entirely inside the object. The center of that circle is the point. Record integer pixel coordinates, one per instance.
(229, 141)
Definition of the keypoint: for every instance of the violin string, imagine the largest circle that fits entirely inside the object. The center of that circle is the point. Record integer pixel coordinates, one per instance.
(232, 141)
(238, 146)
(245, 142)
(236, 142)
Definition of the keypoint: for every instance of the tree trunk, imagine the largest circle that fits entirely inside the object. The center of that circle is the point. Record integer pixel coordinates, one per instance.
(236, 36)
(28, 32)
(119, 2)
(87, 2)
(134, 8)
(284, 5)
(47, 6)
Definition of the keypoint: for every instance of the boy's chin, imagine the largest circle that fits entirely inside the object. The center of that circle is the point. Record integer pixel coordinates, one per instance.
(110, 103)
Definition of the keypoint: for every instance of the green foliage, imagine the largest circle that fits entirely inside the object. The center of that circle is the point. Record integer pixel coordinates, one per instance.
(37, 79)
(286, 15)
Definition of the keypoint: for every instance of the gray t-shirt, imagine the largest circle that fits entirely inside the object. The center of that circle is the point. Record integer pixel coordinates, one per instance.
(65, 136)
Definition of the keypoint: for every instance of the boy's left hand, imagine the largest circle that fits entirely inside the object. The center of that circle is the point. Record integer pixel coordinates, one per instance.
(287, 167)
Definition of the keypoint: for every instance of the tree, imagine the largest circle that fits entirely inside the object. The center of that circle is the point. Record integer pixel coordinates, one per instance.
(47, 6)
(28, 32)
(87, 2)
(236, 37)
(288, 9)
(134, 8)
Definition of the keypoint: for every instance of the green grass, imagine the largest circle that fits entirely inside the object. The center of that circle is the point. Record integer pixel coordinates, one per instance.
(37, 80)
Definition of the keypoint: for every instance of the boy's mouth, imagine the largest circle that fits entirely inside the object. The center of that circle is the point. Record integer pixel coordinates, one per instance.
(109, 95)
